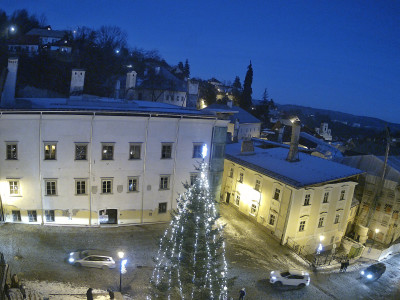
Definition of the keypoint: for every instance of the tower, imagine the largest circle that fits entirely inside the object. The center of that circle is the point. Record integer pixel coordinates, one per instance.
(77, 83)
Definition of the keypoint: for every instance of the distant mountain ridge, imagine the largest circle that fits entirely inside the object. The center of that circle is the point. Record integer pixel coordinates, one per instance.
(368, 122)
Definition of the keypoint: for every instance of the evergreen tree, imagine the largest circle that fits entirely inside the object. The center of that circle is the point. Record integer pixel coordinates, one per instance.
(236, 90)
(265, 96)
(186, 69)
(245, 102)
(190, 263)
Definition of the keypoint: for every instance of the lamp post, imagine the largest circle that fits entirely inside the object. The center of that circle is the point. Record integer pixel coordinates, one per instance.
(10, 30)
(122, 269)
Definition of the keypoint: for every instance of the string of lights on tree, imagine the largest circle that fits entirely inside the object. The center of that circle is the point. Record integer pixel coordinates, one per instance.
(190, 262)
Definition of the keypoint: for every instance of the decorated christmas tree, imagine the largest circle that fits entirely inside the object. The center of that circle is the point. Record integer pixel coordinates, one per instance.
(190, 263)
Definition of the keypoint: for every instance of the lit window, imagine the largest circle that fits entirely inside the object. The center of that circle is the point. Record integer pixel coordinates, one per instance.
(106, 186)
(302, 225)
(32, 215)
(321, 222)
(337, 219)
(134, 151)
(197, 150)
(14, 187)
(133, 184)
(276, 194)
(107, 151)
(162, 207)
(50, 151)
(16, 214)
(80, 187)
(12, 151)
(166, 151)
(272, 219)
(326, 197)
(258, 185)
(80, 151)
(307, 200)
(51, 187)
(342, 193)
(164, 182)
(241, 177)
(253, 209)
(49, 215)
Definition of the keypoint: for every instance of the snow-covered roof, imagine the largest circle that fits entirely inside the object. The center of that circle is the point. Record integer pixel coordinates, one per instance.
(238, 113)
(308, 171)
(47, 33)
(98, 104)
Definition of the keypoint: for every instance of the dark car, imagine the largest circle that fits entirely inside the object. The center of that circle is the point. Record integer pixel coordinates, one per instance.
(373, 272)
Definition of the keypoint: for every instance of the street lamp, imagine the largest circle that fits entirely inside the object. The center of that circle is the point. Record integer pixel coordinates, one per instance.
(319, 249)
(10, 29)
(122, 269)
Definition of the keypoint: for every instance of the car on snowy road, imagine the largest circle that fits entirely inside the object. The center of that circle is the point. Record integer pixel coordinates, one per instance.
(290, 277)
(373, 272)
(92, 259)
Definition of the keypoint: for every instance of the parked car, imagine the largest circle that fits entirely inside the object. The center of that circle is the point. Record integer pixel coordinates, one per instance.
(373, 272)
(92, 259)
(290, 277)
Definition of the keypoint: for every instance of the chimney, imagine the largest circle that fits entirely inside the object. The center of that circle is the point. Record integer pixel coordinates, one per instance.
(229, 103)
(117, 88)
(247, 147)
(8, 96)
(77, 83)
(294, 141)
(130, 80)
(280, 133)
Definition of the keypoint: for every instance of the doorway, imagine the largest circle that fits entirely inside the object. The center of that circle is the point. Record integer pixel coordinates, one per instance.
(228, 196)
(108, 216)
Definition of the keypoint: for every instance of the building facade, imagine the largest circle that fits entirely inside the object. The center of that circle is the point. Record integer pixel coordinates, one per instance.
(303, 203)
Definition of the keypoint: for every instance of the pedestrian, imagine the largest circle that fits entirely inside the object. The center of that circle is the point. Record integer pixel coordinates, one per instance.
(89, 294)
(242, 293)
(346, 264)
(341, 266)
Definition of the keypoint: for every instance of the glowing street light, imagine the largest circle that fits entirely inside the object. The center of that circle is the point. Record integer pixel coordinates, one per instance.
(122, 269)
(320, 247)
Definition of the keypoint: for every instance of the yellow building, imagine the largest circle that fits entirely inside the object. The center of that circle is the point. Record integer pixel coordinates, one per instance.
(301, 199)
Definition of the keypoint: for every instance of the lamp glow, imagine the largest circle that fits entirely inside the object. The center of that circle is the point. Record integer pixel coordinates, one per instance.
(204, 151)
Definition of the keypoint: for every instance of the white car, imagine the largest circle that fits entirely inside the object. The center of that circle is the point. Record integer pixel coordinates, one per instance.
(91, 259)
(290, 277)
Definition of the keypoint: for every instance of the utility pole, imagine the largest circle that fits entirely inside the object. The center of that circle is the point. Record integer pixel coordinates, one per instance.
(378, 190)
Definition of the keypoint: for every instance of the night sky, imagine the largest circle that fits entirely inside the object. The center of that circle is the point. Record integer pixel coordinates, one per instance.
(338, 55)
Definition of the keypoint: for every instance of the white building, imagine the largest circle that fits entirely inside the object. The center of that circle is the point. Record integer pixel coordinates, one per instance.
(88, 161)
(324, 131)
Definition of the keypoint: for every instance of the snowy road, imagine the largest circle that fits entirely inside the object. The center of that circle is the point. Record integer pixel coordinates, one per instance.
(38, 253)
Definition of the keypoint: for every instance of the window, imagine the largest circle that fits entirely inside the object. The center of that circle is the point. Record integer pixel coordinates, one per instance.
(12, 151)
(32, 215)
(219, 151)
(231, 173)
(307, 200)
(80, 186)
(258, 185)
(16, 215)
(332, 239)
(342, 193)
(106, 185)
(388, 208)
(14, 187)
(197, 150)
(164, 182)
(49, 215)
(133, 184)
(276, 194)
(326, 197)
(237, 200)
(193, 177)
(50, 151)
(80, 151)
(321, 222)
(337, 219)
(272, 219)
(302, 226)
(107, 151)
(51, 187)
(134, 151)
(241, 177)
(166, 151)
(253, 209)
(162, 207)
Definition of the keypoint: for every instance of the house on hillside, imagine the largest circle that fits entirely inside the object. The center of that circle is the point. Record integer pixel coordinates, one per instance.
(242, 125)
(384, 219)
(301, 199)
(94, 161)
(324, 131)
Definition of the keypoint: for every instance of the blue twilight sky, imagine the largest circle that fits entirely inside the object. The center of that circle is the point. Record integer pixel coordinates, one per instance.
(339, 54)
